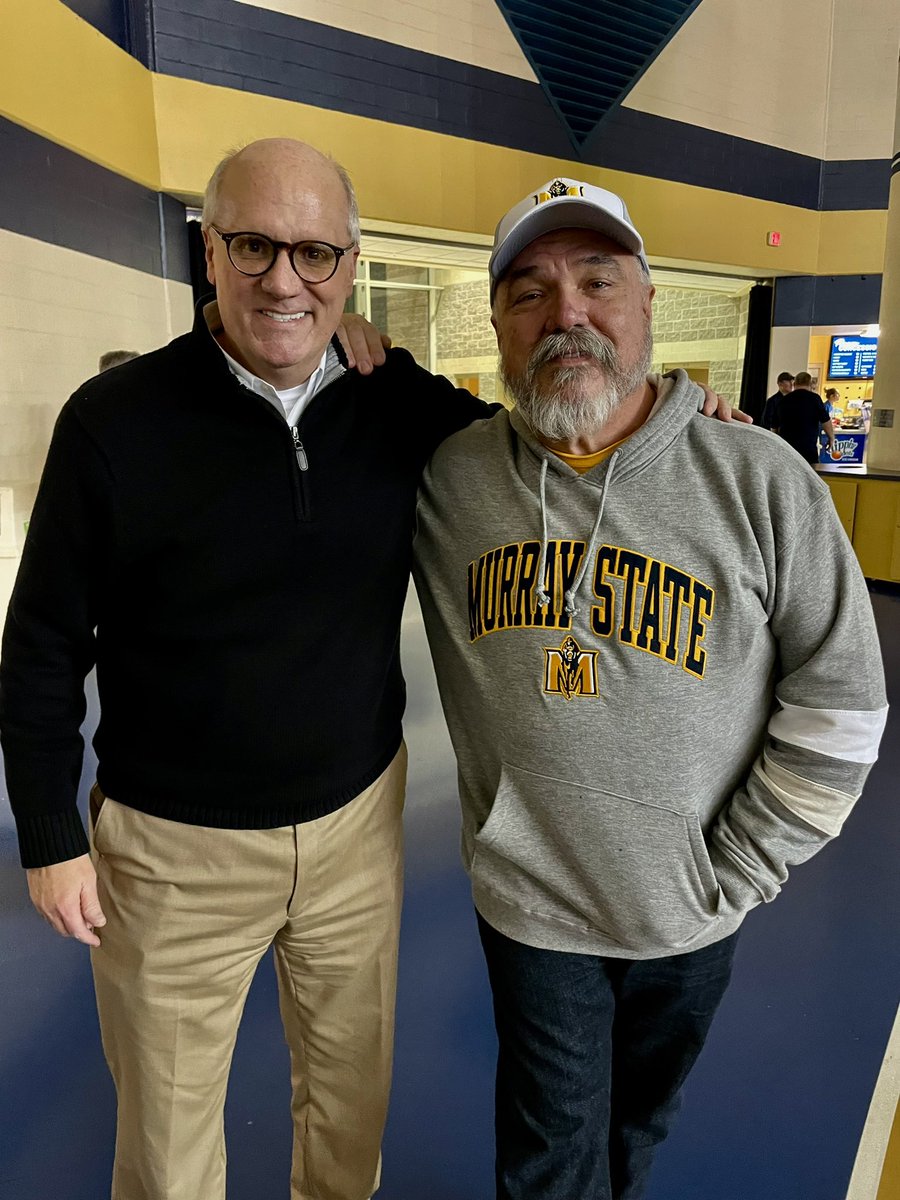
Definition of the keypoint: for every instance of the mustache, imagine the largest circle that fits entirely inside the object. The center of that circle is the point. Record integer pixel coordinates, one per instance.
(583, 342)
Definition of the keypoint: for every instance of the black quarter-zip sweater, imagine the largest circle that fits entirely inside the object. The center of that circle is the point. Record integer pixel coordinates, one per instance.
(241, 598)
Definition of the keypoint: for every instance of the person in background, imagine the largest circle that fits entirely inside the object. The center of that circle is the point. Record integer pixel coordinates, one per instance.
(799, 418)
(832, 400)
(115, 358)
(784, 382)
(588, 630)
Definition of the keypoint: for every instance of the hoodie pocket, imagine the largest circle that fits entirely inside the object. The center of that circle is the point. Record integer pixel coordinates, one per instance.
(580, 856)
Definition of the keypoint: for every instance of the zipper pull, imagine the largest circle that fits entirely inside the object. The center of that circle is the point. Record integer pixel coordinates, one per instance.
(302, 460)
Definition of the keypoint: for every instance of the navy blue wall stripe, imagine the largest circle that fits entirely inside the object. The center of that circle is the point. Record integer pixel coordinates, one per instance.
(855, 184)
(108, 16)
(648, 145)
(238, 46)
(57, 196)
(632, 141)
(173, 227)
(827, 300)
(128, 23)
(251, 49)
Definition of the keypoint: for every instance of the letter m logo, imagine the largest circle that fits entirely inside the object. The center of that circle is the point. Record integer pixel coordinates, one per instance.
(570, 671)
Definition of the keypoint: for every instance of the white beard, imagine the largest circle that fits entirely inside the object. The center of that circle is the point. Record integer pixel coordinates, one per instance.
(571, 405)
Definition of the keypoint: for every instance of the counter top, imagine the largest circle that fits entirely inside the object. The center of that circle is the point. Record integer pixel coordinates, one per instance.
(860, 472)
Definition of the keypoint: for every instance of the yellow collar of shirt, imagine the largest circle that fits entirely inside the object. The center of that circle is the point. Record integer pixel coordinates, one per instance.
(584, 462)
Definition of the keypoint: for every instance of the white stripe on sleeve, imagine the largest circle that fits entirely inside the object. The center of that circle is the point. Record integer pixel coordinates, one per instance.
(840, 733)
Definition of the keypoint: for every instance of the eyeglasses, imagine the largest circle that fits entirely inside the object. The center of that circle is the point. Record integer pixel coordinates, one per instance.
(254, 254)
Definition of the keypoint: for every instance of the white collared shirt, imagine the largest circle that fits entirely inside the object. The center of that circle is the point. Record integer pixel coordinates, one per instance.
(290, 401)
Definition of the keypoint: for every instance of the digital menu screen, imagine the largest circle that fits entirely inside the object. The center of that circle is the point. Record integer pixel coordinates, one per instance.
(852, 357)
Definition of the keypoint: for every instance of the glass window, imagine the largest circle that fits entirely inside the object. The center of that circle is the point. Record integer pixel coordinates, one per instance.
(440, 314)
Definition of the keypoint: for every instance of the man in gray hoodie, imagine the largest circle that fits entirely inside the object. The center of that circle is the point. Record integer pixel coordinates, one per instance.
(605, 578)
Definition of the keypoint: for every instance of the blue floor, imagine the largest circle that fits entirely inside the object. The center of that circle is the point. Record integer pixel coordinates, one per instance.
(773, 1110)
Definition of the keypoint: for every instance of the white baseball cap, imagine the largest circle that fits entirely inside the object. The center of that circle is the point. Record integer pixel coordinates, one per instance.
(562, 204)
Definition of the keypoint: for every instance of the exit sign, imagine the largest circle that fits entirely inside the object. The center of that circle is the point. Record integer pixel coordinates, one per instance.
(773, 238)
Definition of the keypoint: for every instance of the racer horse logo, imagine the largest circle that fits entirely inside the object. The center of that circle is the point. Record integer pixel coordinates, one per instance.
(570, 671)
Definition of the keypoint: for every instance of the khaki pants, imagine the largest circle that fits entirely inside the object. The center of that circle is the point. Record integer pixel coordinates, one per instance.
(190, 912)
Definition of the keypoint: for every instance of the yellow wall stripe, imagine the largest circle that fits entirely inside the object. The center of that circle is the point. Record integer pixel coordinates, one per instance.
(851, 243)
(61, 78)
(889, 1188)
(430, 179)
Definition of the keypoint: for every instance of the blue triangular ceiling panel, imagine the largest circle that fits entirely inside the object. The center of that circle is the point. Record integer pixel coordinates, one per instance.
(588, 56)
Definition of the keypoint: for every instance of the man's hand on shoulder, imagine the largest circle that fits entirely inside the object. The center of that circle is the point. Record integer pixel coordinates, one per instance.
(363, 344)
(65, 894)
(715, 405)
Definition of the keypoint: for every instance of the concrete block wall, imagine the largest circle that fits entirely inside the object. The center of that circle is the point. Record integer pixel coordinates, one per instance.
(89, 262)
(692, 325)
(464, 321)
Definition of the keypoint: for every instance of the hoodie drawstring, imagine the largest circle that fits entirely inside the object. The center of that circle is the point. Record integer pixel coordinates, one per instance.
(569, 597)
(541, 595)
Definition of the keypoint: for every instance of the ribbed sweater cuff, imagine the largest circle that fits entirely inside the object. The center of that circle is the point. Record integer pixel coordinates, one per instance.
(51, 838)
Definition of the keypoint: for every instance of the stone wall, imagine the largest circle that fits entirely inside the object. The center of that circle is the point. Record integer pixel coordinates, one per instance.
(466, 344)
(464, 321)
(691, 315)
(690, 325)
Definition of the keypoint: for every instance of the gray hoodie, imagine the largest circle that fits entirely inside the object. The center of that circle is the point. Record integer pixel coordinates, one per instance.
(692, 711)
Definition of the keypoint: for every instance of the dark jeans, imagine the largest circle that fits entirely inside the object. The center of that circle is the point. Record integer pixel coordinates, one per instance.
(593, 1055)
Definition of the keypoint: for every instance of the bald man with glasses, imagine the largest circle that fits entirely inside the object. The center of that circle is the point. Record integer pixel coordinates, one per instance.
(224, 527)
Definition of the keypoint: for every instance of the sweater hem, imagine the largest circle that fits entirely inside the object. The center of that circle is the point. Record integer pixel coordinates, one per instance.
(544, 933)
(271, 813)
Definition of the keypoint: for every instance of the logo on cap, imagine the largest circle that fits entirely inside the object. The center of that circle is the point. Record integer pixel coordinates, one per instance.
(556, 189)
